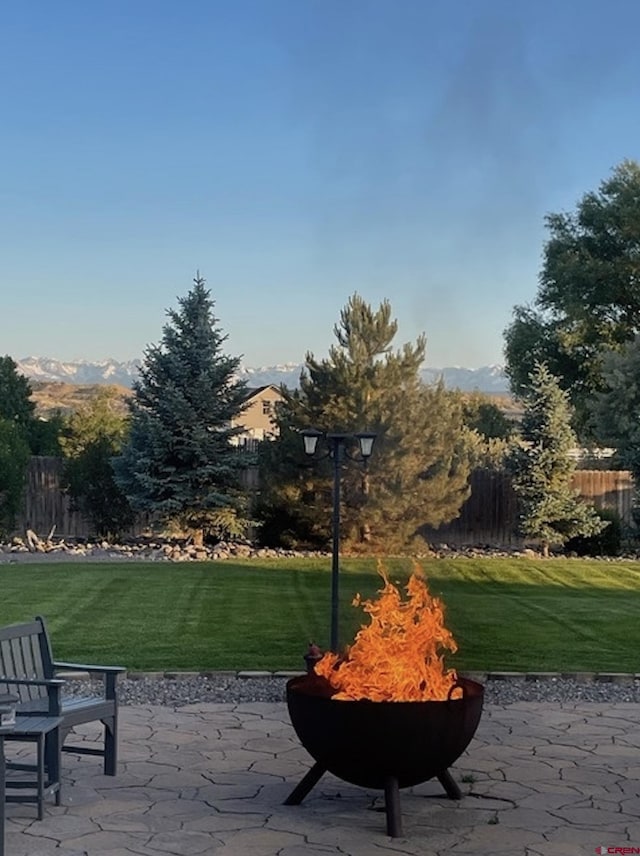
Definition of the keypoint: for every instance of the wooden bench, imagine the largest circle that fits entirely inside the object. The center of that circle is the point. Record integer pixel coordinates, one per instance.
(28, 670)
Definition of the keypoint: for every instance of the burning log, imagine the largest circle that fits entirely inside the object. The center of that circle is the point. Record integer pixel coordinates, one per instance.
(387, 713)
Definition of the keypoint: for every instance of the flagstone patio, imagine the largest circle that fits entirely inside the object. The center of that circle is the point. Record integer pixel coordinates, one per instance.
(538, 779)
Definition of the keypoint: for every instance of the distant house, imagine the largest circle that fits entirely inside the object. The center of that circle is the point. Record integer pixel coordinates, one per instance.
(256, 419)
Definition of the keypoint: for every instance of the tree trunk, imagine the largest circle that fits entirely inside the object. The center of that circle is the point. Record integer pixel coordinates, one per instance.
(365, 533)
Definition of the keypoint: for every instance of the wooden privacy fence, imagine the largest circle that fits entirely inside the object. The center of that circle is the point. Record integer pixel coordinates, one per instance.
(488, 517)
(490, 514)
(47, 506)
(607, 489)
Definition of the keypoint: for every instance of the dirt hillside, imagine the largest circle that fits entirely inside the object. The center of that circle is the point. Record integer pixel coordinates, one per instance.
(50, 396)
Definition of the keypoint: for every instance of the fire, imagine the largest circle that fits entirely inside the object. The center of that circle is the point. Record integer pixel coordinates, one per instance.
(397, 656)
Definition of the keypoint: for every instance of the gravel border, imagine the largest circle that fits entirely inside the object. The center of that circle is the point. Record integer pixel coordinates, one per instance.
(501, 688)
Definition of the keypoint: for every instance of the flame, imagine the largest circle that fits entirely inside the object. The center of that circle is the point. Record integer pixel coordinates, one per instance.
(396, 657)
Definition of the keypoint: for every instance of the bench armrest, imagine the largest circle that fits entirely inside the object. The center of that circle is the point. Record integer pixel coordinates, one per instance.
(53, 686)
(92, 669)
(109, 673)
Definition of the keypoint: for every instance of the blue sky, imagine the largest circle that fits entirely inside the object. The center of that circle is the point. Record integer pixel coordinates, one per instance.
(295, 152)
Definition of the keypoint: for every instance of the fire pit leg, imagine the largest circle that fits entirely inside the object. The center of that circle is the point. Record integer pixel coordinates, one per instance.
(392, 806)
(308, 782)
(450, 785)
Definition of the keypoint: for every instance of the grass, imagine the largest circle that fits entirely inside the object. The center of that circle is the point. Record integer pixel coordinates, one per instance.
(506, 614)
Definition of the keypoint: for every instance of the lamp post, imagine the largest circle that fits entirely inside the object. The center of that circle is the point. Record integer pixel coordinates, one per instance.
(337, 451)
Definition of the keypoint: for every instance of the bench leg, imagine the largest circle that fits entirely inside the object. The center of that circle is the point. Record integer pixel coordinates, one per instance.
(2, 795)
(110, 746)
(53, 761)
(40, 774)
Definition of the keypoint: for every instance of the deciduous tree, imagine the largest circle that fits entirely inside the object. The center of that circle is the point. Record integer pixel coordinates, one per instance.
(588, 299)
(94, 436)
(616, 410)
(491, 427)
(45, 434)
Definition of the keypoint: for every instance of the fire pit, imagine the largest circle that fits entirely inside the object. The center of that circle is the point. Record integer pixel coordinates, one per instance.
(387, 744)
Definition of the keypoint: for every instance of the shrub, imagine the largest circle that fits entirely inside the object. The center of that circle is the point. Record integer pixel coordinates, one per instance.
(605, 543)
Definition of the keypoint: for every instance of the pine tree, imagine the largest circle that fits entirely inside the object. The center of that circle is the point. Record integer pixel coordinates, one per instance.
(179, 463)
(16, 419)
(541, 467)
(16, 404)
(14, 458)
(418, 474)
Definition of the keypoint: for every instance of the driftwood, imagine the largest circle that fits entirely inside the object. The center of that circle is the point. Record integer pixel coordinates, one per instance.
(34, 543)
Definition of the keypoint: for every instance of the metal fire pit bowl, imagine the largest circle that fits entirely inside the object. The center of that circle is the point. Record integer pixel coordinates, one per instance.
(388, 745)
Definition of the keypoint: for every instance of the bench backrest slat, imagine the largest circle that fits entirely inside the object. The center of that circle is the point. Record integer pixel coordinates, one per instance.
(25, 653)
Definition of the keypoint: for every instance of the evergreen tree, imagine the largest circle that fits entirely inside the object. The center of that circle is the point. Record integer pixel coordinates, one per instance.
(94, 436)
(14, 457)
(418, 474)
(17, 406)
(15, 394)
(179, 462)
(16, 423)
(551, 511)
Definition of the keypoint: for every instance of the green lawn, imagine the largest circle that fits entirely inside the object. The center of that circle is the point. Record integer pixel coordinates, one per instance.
(506, 614)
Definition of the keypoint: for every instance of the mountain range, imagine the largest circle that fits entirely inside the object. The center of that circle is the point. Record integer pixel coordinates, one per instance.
(484, 379)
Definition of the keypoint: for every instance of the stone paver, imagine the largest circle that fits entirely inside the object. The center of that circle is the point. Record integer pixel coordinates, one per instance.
(538, 780)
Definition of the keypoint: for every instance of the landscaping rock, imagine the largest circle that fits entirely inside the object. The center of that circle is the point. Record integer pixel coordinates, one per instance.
(174, 550)
(143, 550)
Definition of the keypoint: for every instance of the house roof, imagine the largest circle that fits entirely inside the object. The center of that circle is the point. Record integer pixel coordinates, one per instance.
(253, 391)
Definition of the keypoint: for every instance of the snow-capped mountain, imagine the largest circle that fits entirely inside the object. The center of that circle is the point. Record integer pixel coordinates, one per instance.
(79, 371)
(484, 379)
(287, 373)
